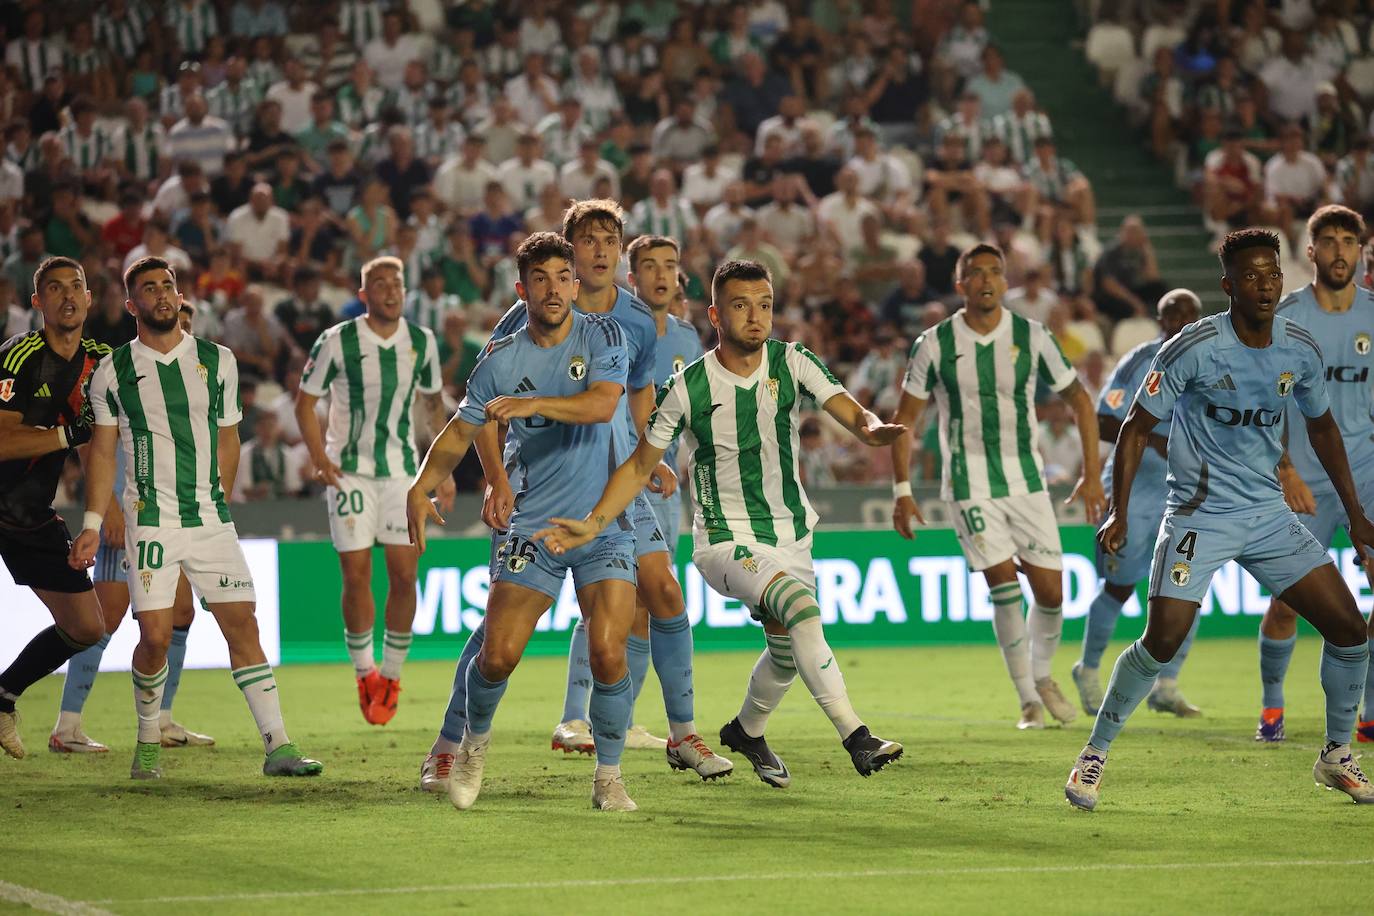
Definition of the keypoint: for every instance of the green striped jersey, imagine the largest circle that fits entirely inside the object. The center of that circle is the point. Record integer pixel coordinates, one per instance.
(984, 389)
(371, 383)
(741, 436)
(169, 408)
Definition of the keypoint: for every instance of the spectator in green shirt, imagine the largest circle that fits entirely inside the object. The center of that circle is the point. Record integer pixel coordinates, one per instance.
(464, 275)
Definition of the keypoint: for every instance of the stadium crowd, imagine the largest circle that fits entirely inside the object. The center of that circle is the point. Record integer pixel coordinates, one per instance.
(268, 149)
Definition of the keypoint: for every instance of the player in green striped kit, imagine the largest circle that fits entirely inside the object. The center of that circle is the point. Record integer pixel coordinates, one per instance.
(171, 402)
(372, 368)
(737, 409)
(982, 366)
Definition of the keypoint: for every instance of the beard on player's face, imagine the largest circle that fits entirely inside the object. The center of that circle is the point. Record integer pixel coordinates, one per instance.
(148, 315)
(1335, 275)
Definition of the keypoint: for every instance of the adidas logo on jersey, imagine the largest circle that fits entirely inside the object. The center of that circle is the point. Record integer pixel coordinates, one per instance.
(1225, 384)
(524, 386)
(43, 391)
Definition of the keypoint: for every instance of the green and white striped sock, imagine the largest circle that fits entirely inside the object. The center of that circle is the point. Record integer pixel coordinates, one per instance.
(1009, 623)
(395, 648)
(773, 673)
(788, 601)
(360, 651)
(148, 703)
(259, 688)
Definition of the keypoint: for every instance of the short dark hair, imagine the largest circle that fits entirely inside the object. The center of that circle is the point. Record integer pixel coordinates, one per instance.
(595, 212)
(644, 242)
(1242, 239)
(539, 248)
(141, 267)
(1337, 217)
(56, 263)
(737, 270)
(968, 254)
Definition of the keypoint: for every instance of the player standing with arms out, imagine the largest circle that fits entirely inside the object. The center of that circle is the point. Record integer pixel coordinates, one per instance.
(1227, 380)
(371, 367)
(43, 414)
(737, 406)
(111, 575)
(1122, 571)
(982, 365)
(1340, 317)
(557, 383)
(171, 402)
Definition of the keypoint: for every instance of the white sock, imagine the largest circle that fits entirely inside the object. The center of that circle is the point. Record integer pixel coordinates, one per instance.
(1045, 625)
(606, 771)
(443, 746)
(474, 740)
(148, 703)
(259, 688)
(395, 648)
(1165, 686)
(773, 673)
(1009, 623)
(680, 730)
(360, 651)
(67, 722)
(821, 673)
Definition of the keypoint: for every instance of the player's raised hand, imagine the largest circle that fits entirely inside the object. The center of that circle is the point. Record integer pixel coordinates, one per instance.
(444, 494)
(82, 554)
(1112, 535)
(1089, 489)
(497, 504)
(507, 408)
(663, 480)
(328, 473)
(903, 511)
(1296, 493)
(564, 534)
(420, 509)
(877, 433)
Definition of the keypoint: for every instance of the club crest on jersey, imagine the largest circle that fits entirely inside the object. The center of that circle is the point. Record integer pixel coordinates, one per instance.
(1115, 398)
(146, 578)
(1013, 351)
(680, 361)
(773, 388)
(1180, 574)
(577, 371)
(1153, 381)
(1285, 384)
(203, 372)
(1362, 343)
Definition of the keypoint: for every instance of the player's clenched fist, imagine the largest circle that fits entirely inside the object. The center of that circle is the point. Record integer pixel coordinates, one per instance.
(506, 408)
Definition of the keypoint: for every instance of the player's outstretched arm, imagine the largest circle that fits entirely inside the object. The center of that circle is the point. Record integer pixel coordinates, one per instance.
(443, 456)
(1130, 445)
(1326, 440)
(904, 508)
(1089, 485)
(500, 499)
(98, 461)
(597, 404)
(435, 417)
(564, 534)
(864, 424)
(20, 441)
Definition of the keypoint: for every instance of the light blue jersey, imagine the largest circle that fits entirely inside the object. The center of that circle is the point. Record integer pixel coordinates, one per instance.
(110, 562)
(1347, 346)
(1228, 403)
(562, 467)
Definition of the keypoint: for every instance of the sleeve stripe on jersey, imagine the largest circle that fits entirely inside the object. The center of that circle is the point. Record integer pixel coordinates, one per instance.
(611, 329)
(1170, 354)
(1132, 364)
(15, 358)
(830, 377)
(1302, 334)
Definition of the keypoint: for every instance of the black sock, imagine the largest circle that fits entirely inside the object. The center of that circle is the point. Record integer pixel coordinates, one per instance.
(44, 654)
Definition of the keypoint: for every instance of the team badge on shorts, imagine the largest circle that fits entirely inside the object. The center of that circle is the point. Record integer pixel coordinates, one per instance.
(1285, 383)
(1115, 398)
(577, 368)
(147, 579)
(1152, 382)
(680, 361)
(1180, 574)
(1362, 343)
(516, 563)
(773, 388)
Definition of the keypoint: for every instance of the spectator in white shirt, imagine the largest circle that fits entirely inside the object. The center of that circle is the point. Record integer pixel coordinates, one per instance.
(1292, 79)
(1060, 446)
(577, 179)
(682, 136)
(704, 182)
(200, 137)
(259, 231)
(539, 33)
(841, 213)
(389, 54)
(1035, 299)
(157, 242)
(533, 93)
(722, 222)
(525, 175)
(785, 221)
(788, 123)
(1294, 179)
(460, 181)
(293, 94)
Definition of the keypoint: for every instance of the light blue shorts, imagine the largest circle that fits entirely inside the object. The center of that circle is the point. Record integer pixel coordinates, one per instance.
(1330, 513)
(529, 563)
(111, 565)
(668, 512)
(1132, 562)
(1276, 548)
(648, 538)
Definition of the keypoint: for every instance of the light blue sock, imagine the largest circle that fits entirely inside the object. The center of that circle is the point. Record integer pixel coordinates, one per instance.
(81, 671)
(671, 640)
(176, 658)
(1102, 617)
(637, 656)
(1275, 654)
(579, 689)
(1368, 684)
(610, 710)
(1343, 671)
(483, 698)
(1132, 678)
(456, 716)
(1174, 665)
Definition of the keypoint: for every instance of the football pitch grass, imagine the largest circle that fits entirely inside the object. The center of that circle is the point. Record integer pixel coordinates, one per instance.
(1194, 817)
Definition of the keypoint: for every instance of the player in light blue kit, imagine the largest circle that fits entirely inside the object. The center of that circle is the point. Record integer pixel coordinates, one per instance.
(1227, 381)
(557, 383)
(1340, 317)
(1121, 571)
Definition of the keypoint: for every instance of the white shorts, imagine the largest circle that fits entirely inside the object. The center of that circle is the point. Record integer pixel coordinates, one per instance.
(367, 510)
(743, 571)
(210, 557)
(994, 530)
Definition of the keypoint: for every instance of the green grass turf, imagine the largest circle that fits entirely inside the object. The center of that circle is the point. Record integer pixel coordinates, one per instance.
(1193, 817)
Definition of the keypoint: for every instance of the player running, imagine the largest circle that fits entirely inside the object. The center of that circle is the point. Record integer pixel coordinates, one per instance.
(1340, 317)
(371, 367)
(43, 414)
(737, 406)
(557, 382)
(1227, 380)
(171, 402)
(982, 365)
(111, 574)
(1121, 571)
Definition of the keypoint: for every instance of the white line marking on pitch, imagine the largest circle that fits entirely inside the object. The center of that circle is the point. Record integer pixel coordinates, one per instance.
(48, 903)
(692, 879)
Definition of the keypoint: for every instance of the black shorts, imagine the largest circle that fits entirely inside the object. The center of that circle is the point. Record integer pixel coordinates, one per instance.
(37, 557)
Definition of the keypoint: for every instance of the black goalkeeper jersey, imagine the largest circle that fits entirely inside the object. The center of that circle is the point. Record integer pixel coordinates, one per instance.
(46, 391)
